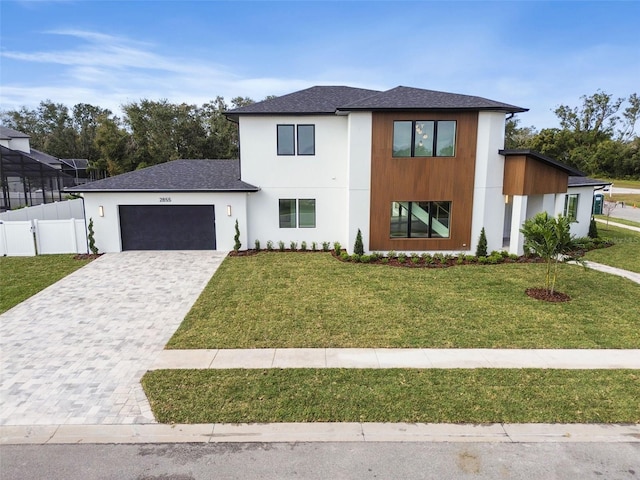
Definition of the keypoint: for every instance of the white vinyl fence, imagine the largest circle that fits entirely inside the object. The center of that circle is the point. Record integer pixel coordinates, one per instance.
(31, 237)
(47, 211)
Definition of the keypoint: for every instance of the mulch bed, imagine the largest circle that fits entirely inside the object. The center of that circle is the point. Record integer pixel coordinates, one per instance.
(87, 256)
(546, 295)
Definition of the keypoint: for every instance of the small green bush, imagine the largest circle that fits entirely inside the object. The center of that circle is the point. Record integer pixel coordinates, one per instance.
(314, 246)
(92, 241)
(257, 244)
(482, 260)
(345, 256)
(481, 249)
(593, 228)
(337, 248)
(402, 257)
(391, 254)
(326, 246)
(358, 248)
(384, 260)
(293, 246)
(365, 258)
(281, 246)
(269, 245)
(236, 238)
(303, 246)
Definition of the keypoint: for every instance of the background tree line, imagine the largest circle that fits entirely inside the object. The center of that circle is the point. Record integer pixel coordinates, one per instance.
(149, 132)
(597, 137)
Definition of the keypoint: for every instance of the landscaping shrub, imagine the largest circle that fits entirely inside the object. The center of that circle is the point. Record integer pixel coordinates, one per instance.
(92, 241)
(257, 244)
(293, 246)
(593, 229)
(236, 238)
(326, 246)
(358, 248)
(303, 246)
(269, 245)
(281, 246)
(481, 249)
(337, 248)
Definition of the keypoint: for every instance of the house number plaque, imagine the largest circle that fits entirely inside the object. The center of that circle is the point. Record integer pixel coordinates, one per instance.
(165, 199)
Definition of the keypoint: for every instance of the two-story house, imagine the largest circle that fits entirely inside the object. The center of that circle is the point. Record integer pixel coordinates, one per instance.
(415, 170)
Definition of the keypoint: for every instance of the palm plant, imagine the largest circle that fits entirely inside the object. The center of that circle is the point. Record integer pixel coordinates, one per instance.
(551, 239)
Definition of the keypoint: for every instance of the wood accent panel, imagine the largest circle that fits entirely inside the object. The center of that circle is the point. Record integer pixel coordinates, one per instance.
(524, 175)
(422, 179)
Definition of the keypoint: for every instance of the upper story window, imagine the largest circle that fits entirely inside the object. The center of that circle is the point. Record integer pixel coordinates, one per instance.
(424, 138)
(296, 138)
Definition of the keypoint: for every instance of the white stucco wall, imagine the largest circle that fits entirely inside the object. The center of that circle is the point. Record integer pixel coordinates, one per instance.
(107, 228)
(322, 177)
(359, 178)
(488, 200)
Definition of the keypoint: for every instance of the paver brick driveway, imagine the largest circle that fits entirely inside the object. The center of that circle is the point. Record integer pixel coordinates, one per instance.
(75, 352)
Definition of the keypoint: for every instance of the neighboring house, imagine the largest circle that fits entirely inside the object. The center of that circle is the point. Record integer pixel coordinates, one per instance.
(28, 177)
(415, 170)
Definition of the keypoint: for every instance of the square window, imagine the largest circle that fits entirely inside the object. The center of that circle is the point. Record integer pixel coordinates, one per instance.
(306, 140)
(286, 140)
(287, 213)
(307, 215)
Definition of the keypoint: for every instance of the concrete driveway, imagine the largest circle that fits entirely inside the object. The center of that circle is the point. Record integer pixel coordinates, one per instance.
(75, 352)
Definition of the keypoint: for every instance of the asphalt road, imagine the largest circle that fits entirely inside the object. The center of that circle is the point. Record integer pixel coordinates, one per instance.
(282, 461)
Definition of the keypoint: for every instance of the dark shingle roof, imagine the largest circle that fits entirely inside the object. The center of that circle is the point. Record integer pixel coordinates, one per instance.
(7, 133)
(328, 100)
(586, 182)
(544, 159)
(178, 176)
(407, 98)
(321, 99)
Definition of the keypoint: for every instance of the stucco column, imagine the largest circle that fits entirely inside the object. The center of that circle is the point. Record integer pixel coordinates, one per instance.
(518, 216)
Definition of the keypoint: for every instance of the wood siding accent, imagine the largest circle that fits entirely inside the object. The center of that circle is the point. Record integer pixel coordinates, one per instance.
(422, 179)
(524, 175)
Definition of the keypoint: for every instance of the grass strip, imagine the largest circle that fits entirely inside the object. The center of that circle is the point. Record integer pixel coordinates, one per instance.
(624, 254)
(623, 221)
(23, 277)
(296, 300)
(394, 395)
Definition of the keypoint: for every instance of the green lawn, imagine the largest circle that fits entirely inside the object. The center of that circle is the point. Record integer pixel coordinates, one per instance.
(23, 277)
(395, 395)
(624, 254)
(624, 183)
(281, 300)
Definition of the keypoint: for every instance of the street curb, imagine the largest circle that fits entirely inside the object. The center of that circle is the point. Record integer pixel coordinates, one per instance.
(317, 432)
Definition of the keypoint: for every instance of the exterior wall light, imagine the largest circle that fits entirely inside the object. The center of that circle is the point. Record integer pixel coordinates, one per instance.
(228, 210)
(101, 211)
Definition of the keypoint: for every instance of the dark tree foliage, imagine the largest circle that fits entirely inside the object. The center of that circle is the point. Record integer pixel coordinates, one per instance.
(149, 132)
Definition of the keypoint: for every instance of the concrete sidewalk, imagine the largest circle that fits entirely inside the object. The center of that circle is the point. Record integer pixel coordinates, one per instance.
(396, 358)
(318, 432)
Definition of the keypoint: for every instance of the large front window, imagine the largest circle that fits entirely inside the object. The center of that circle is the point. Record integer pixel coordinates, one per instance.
(424, 138)
(297, 212)
(420, 219)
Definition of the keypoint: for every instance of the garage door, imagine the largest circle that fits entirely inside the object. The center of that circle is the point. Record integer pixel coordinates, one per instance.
(167, 227)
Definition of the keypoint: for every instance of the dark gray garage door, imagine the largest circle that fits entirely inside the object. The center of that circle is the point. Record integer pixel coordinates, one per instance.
(167, 227)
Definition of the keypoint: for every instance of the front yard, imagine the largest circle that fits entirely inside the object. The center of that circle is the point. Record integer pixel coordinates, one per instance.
(299, 300)
(624, 254)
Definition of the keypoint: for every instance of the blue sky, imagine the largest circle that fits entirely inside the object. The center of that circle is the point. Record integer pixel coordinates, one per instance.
(537, 55)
